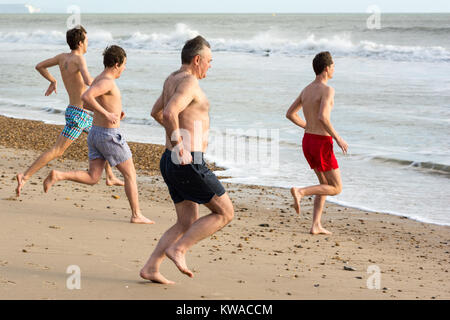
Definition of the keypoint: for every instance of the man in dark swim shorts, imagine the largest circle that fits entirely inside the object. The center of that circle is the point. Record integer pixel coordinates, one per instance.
(183, 110)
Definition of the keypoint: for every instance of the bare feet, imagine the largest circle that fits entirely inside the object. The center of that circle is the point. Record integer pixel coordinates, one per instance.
(20, 183)
(114, 181)
(297, 198)
(140, 219)
(50, 180)
(154, 277)
(180, 261)
(319, 230)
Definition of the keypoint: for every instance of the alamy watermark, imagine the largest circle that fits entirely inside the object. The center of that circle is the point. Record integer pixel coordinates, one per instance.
(75, 19)
(374, 280)
(374, 20)
(257, 147)
(74, 280)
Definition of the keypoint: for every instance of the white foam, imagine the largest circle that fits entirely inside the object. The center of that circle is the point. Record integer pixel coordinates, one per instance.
(264, 43)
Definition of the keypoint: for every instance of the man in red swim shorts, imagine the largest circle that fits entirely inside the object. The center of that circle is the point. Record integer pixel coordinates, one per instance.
(317, 100)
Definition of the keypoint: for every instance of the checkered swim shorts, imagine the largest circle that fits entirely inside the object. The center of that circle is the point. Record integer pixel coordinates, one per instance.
(77, 121)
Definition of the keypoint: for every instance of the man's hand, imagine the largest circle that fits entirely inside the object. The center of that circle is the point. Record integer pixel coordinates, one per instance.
(183, 157)
(51, 88)
(122, 115)
(342, 144)
(112, 117)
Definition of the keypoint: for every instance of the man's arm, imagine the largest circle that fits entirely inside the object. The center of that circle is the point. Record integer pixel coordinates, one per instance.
(98, 89)
(181, 99)
(41, 67)
(326, 105)
(292, 113)
(82, 66)
(157, 110)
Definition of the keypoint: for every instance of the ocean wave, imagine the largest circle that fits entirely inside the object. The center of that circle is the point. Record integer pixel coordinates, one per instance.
(264, 43)
(140, 121)
(433, 167)
(414, 29)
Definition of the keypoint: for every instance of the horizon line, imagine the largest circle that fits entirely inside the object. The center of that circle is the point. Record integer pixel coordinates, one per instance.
(269, 13)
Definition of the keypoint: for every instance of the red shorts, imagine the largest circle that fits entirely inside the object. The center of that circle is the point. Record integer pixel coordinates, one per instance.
(318, 151)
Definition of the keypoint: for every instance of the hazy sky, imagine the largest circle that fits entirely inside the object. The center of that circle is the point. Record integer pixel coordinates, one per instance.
(235, 6)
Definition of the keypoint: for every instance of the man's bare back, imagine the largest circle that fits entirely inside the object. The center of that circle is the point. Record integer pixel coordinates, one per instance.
(195, 117)
(69, 65)
(312, 97)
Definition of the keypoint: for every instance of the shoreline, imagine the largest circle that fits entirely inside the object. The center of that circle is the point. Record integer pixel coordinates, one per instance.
(40, 136)
(266, 252)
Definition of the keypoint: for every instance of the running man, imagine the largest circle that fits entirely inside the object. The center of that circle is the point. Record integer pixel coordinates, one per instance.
(317, 100)
(105, 140)
(76, 77)
(183, 110)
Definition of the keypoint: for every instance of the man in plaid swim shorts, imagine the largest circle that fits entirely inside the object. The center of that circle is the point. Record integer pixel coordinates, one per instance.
(76, 77)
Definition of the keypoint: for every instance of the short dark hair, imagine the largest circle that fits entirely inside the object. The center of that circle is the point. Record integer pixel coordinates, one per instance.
(321, 61)
(112, 55)
(192, 48)
(74, 36)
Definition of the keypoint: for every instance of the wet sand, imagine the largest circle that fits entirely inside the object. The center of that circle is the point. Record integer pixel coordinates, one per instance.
(265, 253)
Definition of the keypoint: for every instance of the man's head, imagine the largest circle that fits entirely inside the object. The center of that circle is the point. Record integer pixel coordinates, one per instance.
(116, 58)
(77, 38)
(323, 62)
(197, 54)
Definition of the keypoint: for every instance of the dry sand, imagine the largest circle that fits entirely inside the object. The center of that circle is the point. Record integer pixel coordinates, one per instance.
(265, 253)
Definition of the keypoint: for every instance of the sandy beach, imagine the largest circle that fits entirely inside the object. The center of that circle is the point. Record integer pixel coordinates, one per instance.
(265, 253)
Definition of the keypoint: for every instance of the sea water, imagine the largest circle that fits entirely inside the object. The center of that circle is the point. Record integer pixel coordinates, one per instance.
(392, 102)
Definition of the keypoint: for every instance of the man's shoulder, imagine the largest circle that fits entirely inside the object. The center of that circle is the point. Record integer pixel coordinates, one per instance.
(101, 80)
(328, 88)
(60, 56)
(188, 82)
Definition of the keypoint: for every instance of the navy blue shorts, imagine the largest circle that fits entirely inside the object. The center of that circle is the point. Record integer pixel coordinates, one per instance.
(193, 182)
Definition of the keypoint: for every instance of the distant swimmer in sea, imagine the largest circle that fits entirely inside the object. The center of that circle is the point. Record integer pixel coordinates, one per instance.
(76, 77)
(317, 100)
(105, 141)
(183, 110)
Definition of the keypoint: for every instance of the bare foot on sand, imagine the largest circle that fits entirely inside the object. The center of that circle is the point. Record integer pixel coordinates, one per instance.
(140, 219)
(154, 277)
(114, 182)
(20, 183)
(319, 230)
(297, 198)
(50, 180)
(180, 261)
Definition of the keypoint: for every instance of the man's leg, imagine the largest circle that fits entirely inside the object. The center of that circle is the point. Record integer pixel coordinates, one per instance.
(331, 188)
(129, 174)
(111, 179)
(222, 213)
(187, 214)
(91, 177)
(330, 185)
(58, 149)
(319, 201)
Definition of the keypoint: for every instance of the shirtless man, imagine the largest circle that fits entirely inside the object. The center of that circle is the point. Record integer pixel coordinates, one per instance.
(183, 105)
(105, 140)
(317, 100)
(76, 77)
